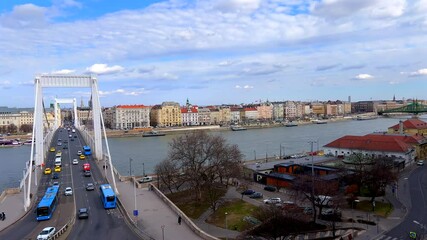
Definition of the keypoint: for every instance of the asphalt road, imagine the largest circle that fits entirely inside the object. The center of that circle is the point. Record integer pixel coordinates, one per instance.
(101, 224)
(417, 183)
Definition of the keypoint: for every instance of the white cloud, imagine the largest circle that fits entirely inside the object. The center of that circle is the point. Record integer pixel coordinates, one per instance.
(27, 83)
(388, 8)
(420, 72)
(5, 84)
(104, 69)
(364, 76)
(135, 92)
(244, 87)
(23, 16)
(238, 5)
(64, 71)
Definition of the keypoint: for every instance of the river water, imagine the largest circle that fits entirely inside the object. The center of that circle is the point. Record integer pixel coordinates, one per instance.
(254, 143)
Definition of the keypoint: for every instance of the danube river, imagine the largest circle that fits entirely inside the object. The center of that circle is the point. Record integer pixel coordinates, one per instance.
(253, 143)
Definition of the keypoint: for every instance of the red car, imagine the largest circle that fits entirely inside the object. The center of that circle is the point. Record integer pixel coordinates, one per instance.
(86, 167)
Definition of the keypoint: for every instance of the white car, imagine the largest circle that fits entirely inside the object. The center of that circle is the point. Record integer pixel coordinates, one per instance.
(273, 200)
(46, 233)
(75, 161)
(420, 163)
(79, 152)
(68, 191)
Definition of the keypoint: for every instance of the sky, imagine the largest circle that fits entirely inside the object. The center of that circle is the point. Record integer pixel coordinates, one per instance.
(215, 51)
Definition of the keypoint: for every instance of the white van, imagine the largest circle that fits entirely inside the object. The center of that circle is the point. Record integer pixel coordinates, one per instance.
(145, 179)
(58, 161)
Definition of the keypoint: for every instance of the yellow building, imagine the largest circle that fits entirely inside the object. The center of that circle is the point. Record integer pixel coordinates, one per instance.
(166, 115)
(413, 126)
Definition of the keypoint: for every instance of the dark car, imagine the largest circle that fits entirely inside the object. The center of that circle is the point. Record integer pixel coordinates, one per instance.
(256, 195)
(83, 213)
(55, 176)
(90, 187)
(65, 146)
(72, 139)
(270, 188)
(248, 192)
(87, 174)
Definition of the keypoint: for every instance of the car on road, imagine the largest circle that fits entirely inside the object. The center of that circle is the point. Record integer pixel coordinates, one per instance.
(75, 136)
(52, 149)
(270, 188)
(75, 161)
(46, 233)
(72, 139)
(273, 200)
(68, 191)
(256, 195)
(55, 184)
(55, 176)
(47, 171)
(59, 143)
(83, 213)
(82, 157)
(420, 162)
(70, 136)
(57, 168)
(65, 146)
(87, 174)
(90, 187)
(248, 192)
(79, 153)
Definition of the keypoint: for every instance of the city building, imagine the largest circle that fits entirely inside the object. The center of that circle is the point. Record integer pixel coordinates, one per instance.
(278, 111)
(413, 126)
(129, 116)
(265, 111)
(404, 147)
(166, 115)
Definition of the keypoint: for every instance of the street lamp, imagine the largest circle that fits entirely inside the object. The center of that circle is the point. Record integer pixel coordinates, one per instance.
(163, 232)
(143, 169)
(280, 154)
(134, 188)
(226, 213)
(352, 215)
(254, 155)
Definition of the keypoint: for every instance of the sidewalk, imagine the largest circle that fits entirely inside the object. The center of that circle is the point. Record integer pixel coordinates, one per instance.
(12, 204)
(400, 206)
(155, 219)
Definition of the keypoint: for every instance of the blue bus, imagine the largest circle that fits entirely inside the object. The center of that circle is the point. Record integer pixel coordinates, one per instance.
(87, 151)
(108, 197)
(47, 205)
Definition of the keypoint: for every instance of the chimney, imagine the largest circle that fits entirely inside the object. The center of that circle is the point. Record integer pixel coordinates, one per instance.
(400, 127)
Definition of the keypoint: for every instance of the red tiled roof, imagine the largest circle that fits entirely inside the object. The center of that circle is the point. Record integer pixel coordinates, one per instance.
(412, 123)
(250, 109)
(132, 106)
(374, 142)
(185, 110)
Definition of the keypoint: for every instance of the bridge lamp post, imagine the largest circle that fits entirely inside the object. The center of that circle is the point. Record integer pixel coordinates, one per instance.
(134, 188)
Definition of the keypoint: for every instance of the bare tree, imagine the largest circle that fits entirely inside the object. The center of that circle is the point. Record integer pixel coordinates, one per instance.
(167, 174)
(205, 160)
(12, 128)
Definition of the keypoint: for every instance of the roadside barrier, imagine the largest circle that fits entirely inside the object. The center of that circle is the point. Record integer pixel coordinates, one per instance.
(184, 217)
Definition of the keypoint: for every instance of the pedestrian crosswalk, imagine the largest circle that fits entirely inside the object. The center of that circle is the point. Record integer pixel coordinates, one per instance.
(385, 237)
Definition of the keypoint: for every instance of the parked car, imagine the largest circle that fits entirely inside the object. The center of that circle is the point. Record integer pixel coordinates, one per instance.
(308, 210)
(90, 187)
(68, 191)
(83, 213)
(46, 233)
(270, 188)
(273, 200)
(248, 192)
(145, 179)
(330, 214)
(256, 195)
(420, 162)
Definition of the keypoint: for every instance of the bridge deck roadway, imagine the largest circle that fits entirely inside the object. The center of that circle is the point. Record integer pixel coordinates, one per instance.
(153, 213)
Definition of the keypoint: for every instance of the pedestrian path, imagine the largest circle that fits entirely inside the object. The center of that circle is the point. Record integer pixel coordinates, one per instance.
(155, 220)
(385, 237)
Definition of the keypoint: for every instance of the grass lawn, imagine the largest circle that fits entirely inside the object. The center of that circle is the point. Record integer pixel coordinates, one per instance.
(235, 210)
(381, 208)
(186, 201)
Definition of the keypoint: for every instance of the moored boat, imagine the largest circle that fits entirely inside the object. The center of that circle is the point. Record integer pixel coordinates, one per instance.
(237, 128)
(153, 134)
(291, 124)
